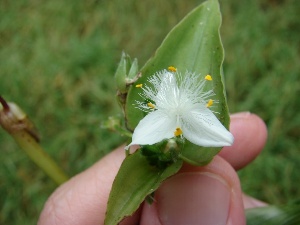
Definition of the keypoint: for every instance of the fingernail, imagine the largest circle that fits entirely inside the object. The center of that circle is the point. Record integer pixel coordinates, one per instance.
(193, 199)
(241, 115)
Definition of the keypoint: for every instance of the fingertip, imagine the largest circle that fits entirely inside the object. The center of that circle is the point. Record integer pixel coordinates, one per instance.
(250, 134)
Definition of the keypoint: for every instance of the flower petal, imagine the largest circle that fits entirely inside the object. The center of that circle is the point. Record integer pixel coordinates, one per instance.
(153, 128)
(201, 127)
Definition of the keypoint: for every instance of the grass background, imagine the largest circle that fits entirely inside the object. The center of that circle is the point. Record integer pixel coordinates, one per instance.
(58, 58)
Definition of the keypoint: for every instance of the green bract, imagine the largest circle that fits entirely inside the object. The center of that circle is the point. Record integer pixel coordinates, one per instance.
(193, 45)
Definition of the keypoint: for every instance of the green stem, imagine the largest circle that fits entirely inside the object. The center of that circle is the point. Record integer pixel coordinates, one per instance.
(16, 123)
(35, 152)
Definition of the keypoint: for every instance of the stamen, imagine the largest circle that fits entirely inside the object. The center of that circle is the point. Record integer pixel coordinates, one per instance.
(209, 103)
(139, 85)
(149, 104)
(208, 77)
(177, 132)
(172, 68)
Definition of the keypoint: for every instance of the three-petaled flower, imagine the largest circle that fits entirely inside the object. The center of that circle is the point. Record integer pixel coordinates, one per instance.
(178, 106)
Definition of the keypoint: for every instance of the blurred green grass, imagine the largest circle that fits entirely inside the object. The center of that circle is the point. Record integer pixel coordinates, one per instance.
(57, 61)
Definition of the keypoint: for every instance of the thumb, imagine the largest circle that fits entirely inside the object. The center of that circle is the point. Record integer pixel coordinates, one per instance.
(209, 195)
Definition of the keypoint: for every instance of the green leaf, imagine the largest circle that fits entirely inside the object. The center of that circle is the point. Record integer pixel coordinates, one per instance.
(135, 180)
(193, 45)
(274, 215)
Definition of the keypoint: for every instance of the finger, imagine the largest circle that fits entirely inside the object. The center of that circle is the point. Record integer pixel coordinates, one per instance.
(83, 199)
(198, 195)
(250, 135)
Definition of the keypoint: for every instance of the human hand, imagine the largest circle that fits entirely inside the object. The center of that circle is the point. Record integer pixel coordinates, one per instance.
(196, 195)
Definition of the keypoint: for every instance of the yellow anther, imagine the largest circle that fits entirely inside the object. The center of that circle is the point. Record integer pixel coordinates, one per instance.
(177, 132)
(209, 103)
(149, 104)
(172, 69)
(139, 85)
(208, 77)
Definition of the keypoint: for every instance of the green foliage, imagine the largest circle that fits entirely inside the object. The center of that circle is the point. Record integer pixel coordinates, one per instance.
(57, 61)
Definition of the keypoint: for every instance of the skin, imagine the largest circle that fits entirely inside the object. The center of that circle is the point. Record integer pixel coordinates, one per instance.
(83, 199)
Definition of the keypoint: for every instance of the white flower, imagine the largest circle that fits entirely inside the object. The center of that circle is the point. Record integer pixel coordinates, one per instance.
(178, 106)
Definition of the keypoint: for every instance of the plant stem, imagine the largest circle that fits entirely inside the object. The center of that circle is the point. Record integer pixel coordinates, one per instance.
(16, 123)
(35, 152)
